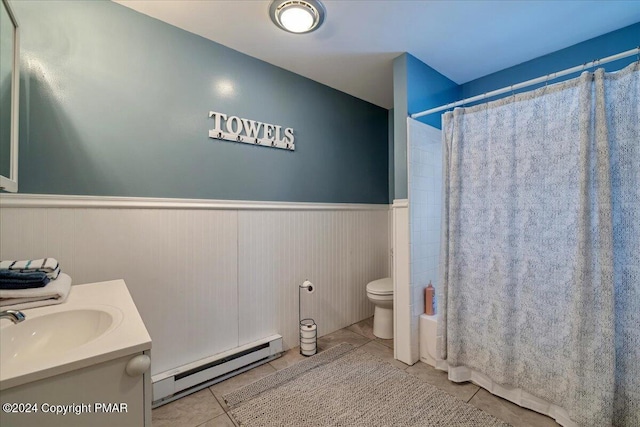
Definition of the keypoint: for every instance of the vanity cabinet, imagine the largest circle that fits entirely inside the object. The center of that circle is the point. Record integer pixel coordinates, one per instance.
(85, 362)
(102, 395)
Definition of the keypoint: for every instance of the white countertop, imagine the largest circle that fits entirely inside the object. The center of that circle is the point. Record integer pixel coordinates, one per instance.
(127, 335)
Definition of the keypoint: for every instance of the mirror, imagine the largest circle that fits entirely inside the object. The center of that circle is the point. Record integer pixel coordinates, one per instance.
(9, 97)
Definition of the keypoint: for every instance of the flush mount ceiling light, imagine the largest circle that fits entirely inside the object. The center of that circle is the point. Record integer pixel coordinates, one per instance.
(297, 16)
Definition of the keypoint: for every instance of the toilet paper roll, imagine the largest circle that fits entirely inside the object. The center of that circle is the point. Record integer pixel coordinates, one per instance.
(308, 331)
(308, 346)
(308, 287)
(308, 352)
(308, 340)
(308, 335)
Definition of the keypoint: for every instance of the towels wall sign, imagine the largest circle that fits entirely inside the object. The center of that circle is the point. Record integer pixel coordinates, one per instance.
(233, 128)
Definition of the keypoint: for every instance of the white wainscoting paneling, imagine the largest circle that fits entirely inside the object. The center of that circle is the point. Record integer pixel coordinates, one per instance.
(338, 251)
(211, 276)
(180, 267)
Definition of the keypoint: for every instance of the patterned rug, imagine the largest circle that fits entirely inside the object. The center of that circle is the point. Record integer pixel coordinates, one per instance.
(346, 387)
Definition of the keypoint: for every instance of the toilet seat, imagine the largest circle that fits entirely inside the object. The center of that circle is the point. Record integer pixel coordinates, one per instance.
(381, 287)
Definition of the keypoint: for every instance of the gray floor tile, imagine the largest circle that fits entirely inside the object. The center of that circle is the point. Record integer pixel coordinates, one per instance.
(510, 412)
(439, 379)
(223, 420)
(206, 408)
(388, 343)
(287, 359)
(364, 328)
(189, 411)
(339, 337)
(238, 381)
(383, 353)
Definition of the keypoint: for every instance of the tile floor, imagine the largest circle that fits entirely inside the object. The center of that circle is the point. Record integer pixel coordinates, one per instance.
(206, 408)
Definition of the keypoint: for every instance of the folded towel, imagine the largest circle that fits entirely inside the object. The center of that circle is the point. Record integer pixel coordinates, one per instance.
(10, 279)
(47, 265)
(55, 292)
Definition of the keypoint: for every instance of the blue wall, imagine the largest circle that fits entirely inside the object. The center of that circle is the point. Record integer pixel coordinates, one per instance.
(427, 88)
(606, 45)
(391, 156)
(416, 87)
(400, 112)
(115, 103)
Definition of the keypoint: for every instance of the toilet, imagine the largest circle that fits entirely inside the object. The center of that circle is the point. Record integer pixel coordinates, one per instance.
(380, 293)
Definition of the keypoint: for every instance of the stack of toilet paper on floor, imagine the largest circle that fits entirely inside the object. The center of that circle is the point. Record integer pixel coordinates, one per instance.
(32, 283)
(308, 337)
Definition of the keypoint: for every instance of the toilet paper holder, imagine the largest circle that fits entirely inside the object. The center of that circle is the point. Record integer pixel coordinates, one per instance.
(308, 329)
(308, 286)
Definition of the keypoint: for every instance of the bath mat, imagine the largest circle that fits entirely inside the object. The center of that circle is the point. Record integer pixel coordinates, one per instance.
(252, 390)
(350, 387)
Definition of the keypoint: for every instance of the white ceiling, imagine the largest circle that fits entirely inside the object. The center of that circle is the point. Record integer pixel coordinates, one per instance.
(354, 49)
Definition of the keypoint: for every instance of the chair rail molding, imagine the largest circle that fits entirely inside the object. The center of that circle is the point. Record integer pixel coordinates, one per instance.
(71, 201)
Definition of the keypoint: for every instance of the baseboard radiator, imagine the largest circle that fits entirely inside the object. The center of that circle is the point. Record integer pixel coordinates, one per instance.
(187, 379)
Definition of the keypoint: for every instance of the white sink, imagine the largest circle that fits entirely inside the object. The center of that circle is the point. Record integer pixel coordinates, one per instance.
(99, 322)
(51, 335)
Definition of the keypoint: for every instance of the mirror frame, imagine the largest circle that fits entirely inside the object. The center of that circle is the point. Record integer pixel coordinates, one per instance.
(10, 183)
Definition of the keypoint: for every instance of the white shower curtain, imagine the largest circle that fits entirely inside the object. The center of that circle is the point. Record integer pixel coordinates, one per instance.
(540, 256)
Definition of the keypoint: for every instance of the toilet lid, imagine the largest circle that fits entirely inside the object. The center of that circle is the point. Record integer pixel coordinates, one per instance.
(381, 286)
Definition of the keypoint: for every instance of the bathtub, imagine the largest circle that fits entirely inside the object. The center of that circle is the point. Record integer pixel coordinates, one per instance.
(428, 337)
(428, 333)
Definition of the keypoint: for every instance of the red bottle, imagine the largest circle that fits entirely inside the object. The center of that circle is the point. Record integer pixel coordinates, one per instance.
(429, 292)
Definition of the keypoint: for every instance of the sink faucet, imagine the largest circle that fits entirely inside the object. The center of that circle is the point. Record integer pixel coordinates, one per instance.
(13, 315)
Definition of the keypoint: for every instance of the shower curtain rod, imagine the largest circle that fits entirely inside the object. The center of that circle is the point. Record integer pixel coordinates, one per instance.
(542, 79)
